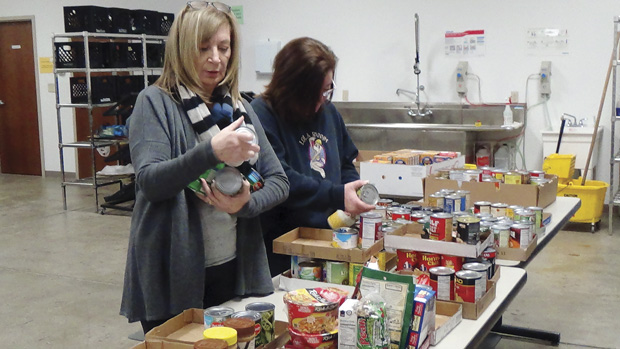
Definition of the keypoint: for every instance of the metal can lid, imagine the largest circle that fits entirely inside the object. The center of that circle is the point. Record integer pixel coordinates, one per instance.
(228, 180)
(385, 201)
(454, 197)
(260, 306)
(402, 221)
(219, 311)
(463, 192)
(387, 230)
(345, 230)
(248, 130)
(369, 194)
(482, 203)
(441, 215)
(500, 227)
(250, 314)
(371, 214)
(476, 266)
(515, 207)
(534, 208)
(468, 219)
(468, 274)
(441, 271)
(499, 205)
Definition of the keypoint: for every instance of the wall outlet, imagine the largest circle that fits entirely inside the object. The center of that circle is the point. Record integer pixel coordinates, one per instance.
(545, 78)
(461, 72)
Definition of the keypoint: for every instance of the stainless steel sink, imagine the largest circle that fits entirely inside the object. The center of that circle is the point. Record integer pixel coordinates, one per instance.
(453, 127)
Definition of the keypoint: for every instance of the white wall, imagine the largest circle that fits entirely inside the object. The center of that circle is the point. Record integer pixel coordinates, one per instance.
(374, 41)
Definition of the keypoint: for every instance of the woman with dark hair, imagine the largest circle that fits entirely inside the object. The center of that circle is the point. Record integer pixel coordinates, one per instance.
(191, 248)
(309, 137)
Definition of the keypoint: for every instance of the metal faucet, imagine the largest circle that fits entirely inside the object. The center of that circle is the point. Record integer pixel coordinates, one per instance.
(573, 123)
(416, 70)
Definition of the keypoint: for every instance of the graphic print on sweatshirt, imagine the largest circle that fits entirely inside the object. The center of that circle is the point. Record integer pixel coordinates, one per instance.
(316, 151)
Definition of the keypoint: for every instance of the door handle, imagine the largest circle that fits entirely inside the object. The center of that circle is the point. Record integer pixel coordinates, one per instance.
(1, 102)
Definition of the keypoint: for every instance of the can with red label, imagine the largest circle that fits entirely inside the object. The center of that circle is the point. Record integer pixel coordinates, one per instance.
(442, 282)
(538, 217)
(537, 174)
(483, 269)
(467, 284)
(486, 171)
(385, 202)
(370, 228)
(468, 229)
(499, 174)
(489, 255)
(441, 227)
(519, 236)
(407, 260)
(453, 262)
(501, 235)
(417, 215)
(427, 260)
(498, 209)
(482, 207)
(401, 213)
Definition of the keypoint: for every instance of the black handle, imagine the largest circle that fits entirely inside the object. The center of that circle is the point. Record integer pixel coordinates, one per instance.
(557, 150)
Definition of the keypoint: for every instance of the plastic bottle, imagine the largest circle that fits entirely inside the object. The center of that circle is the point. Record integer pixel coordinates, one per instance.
(507, 115)
(502, 157)
(483, 157)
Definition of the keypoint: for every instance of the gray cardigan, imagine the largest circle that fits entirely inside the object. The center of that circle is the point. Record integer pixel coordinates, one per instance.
(164, 274)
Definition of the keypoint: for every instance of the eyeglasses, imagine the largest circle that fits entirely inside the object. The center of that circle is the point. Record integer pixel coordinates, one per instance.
(328, 94)
(199, 5)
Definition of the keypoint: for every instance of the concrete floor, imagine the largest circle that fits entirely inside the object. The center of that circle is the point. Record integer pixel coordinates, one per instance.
(61, 276)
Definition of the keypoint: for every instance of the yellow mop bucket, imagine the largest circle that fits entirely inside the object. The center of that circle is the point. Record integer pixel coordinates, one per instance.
(561, 165)
(592, 196)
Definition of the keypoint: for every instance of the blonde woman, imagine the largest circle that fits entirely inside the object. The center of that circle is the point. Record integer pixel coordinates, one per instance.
(187, 249)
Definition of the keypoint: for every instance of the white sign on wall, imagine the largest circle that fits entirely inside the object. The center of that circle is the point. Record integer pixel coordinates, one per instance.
(547, 41)
(466, 43)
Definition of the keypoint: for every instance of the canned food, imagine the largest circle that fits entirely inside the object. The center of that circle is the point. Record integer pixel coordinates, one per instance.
(346, 238)
(250, 314)
(389, 211)
(441, 227)
(340, 219)
(537, 174)
(491, 180)
(412, 206)
(295, 260)
(368, 193)
(513, 177)
(381, 210)
(431, 209)
(468, 229)
(442, 282)
(254, 178)
(336, 272)
(538, 181)
(354, 271)
(401, 213)
(510, 210)
(520, 236)
(453, 262)
(427, 260)
(472, 176)
(467, 285)
(501, 235)
(485, 216)
(482, 207)
(435, 200)
(215, 316)
(452, 203)
(465, 199)
(489, 254)
(456, 175)
(527, 215)
(228, 181)
(311, 270)
(267, 321)
(486, 170)
(407, 260)
(538, 214)
(245, 328)
(498, 174)
(525, 176)
(370, 228)
(483, 269)
(498, 209)
(485, 227)
(447, 192)
(385, 202)
(417, 215)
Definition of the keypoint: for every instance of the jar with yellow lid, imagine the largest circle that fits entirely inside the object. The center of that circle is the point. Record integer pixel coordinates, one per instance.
(225, 333)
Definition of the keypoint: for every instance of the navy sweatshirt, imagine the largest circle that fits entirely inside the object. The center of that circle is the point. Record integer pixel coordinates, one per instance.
(318, 159)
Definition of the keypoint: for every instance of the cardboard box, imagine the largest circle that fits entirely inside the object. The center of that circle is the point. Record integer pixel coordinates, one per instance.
(183, 330)
(448, 316)
(408, 237)
(316, 243)
(289, 283)
(512, 194)
(472, 311)
(404, 180)
(517, 254)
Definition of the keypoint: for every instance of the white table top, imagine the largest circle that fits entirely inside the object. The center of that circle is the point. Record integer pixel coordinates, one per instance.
(561, 211)
(468, 332)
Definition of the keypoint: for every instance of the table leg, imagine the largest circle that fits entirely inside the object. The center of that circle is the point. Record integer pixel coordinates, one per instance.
(548, 336)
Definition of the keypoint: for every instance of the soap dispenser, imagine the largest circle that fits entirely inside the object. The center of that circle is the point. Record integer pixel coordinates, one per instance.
(507, 114)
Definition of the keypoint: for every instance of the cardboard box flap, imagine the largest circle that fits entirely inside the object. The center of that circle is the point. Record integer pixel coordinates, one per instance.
(448, 316)
(316, 243)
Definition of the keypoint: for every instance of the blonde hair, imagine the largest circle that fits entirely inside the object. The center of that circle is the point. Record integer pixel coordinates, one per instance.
(190, 28)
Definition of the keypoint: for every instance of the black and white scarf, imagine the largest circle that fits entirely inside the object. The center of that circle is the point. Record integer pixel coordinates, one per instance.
(207, 123)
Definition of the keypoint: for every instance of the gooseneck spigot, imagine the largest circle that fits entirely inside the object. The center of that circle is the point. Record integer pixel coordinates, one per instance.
(416, 64)
(416, 70)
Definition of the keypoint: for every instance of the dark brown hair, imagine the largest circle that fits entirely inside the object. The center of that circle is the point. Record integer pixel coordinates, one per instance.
(299, 72)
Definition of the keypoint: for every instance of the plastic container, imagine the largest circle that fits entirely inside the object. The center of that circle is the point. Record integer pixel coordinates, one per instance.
(502, 158)
(508, 115)
(592, 196)
(483, 157)
(224, 333)
(561, 165)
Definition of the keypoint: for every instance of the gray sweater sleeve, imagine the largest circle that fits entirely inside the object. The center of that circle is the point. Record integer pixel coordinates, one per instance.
(268, 166)
(162, 150)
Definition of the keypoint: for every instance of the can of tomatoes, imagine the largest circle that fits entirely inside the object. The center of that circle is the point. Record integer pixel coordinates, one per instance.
(427, 260)
(441, 227)
(467, 285)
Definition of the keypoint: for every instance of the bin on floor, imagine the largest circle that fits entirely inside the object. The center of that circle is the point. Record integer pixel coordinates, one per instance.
(592, 196)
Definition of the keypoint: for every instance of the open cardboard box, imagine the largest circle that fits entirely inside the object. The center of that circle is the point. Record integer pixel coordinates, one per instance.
(317, 243)
(183, 330)
(472, 311)
(512, 194)
(409, 237)
(447, 317)
(404, 180)
(517, 254)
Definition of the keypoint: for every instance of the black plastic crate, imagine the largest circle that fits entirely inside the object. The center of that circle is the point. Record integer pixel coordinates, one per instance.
(71, 54)
(125, 55)
(155, 55)
(165, 23)
(145, 22)
(127, 85)
(94, 19)
(120, 20)
(103, 89)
